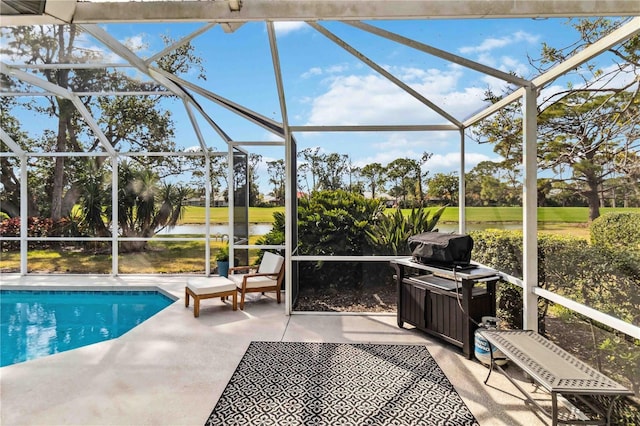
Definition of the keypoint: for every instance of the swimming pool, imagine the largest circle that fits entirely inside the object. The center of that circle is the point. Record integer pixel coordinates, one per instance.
(38, 323)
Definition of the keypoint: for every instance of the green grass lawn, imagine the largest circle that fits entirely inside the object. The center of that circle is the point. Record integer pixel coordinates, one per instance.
(195, 215)
(514, 214)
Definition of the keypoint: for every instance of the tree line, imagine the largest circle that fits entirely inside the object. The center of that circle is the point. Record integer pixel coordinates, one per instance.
(405, 183)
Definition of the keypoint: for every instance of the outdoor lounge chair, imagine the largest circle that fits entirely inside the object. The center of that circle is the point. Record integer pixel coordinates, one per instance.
(267, 277)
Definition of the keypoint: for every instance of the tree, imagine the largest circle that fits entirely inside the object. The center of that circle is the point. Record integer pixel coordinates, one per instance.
(218, 175)
(277, 179)
(545, 186)
(486, 186)
(426, 156)
(327, 170)
(146, 205)
(312, 166)
(584, 128)
(95, 200)
(254, 189)
(129, 122)
(628, 164)
(375, 175)
(408, 177)
(354, 172)
(444, 186)
(334, 167)
(9, 180)
(586, 131)
(400, 171)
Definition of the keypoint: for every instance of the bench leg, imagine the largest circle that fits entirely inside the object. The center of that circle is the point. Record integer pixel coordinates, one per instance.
(196, 306)
(186, 297)
(491, 361)
(235, 300)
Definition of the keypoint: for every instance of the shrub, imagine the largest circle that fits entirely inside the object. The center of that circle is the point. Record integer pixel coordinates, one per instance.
(346, 223)
(389, 234)
(334, 223)
(38, 227)
(595, 276)
(617, 231)
(329, 223)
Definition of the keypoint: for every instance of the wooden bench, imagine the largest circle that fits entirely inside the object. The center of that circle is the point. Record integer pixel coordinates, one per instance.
(556, 370)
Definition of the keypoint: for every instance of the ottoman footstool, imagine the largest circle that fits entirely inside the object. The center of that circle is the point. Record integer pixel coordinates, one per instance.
(207, 288)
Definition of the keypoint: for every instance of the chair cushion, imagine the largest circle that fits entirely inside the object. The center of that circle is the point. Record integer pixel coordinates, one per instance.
(210, 285)
(253, 282)
(271, 263)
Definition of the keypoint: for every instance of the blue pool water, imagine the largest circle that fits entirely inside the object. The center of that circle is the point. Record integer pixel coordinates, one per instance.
(38, 323)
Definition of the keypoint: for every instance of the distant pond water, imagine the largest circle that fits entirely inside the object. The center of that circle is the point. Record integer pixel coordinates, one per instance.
(218, 228)
(264, 228)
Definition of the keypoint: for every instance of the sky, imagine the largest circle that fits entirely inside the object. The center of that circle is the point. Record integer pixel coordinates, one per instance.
(326, 85)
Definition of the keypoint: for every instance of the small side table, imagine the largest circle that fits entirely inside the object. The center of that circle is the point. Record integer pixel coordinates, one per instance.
(207, 288)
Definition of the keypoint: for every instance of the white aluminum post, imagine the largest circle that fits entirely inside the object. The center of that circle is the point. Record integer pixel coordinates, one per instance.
(289, 154)
(24, 214)
(207, 213)
(289, 213)
(462, 224)
(530, 209)
(115, 163)
(231, 197)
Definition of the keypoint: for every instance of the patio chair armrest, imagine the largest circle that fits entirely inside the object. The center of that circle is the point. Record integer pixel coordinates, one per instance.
(242, 268)
(264, 274)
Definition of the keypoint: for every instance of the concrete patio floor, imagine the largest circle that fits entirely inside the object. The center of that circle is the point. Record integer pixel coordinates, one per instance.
(171, 369)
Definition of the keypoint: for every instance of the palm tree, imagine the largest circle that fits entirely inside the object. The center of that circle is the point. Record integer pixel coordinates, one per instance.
(94, 201)
(146, 205)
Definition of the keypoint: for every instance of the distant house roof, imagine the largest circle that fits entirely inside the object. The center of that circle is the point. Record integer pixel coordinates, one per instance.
(379, 195)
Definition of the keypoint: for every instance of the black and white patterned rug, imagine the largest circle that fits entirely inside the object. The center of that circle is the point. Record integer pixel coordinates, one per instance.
(291, 383)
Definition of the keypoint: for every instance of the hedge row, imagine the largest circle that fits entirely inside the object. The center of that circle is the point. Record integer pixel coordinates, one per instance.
(38, 227)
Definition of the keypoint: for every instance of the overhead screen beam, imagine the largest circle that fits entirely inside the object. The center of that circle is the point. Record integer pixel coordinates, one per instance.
(305, 10)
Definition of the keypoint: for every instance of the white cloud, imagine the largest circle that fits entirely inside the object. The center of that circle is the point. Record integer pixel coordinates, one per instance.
(332, 69)
(372, 99)
(510, 64)
(337, 68)
(286, 27)
(312, 72)
(444, 162)
(493, 43)
(271, 137)
(449, 162)
(485, 52)
(135, 43)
